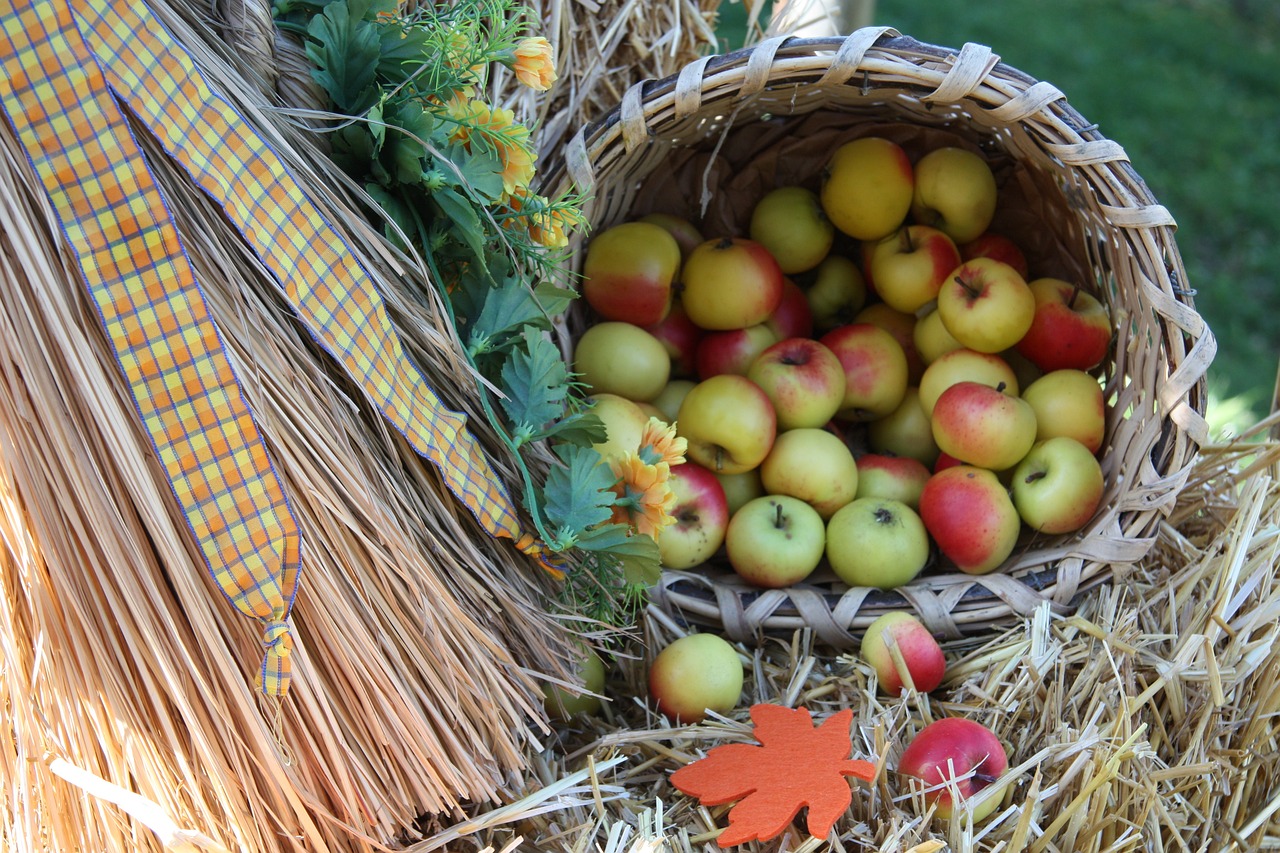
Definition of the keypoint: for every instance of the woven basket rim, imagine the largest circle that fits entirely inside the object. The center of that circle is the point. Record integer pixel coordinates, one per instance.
(994, 88)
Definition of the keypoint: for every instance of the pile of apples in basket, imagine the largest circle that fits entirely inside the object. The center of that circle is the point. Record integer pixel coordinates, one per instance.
(867, 380)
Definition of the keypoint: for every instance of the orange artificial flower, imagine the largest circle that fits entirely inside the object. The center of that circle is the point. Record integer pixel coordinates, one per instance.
(497, 127)
(645, 499)
(546, 227)
(659, 443)
(535, 63)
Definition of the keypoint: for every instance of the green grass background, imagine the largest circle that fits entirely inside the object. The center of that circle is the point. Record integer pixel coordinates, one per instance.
(1191, 89)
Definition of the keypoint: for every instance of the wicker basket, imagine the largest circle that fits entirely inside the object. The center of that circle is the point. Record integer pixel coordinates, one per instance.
(706, 141)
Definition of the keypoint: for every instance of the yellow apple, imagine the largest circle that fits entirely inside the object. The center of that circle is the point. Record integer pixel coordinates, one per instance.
(813, 465)
(730, 283)
(1069, 402)
(789, 222)
(728, 422)
(986, 305)
(955, 192)
(623, 359)
(867, 187)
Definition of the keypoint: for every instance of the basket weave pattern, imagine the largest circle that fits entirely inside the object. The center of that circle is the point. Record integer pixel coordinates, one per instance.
(685, 144)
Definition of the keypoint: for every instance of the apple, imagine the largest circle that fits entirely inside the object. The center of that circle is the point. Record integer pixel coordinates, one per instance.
(1058, 486)
(701, 514)
(687, 235)
(836, 294)
(680, 336)
(875, 370)
(1069, 328)
(956, 756)
(775, 541)
(730, 283)
(945, 461)
(740, 488)
(624, 423)
(793, 318)
(986, 305)
(789, 222)
(918, 655)
(902, 326)
(877, 542)
(728, 422)
(867, 187)
(696, 674)
(813, 465)
(983, 426)
(562, 703)
(803, 379)
(964, 365)
(989, 244)
(629, 271)
(620, 358)
(1069, 402)
(910, 265)
(971, 517)
(732, 350)
(906, 431)
(899, 478)
(932, 339)
(671, 396)
(955, 192)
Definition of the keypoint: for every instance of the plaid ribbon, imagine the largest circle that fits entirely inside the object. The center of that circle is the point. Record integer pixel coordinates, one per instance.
(187, 395)
(63, 72)
(334, 296)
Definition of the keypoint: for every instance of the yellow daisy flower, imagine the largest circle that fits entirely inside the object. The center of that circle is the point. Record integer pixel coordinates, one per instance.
(645, 499)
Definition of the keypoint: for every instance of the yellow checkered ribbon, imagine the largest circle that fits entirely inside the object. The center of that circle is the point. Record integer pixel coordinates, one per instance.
(334, 296)
(115, 220)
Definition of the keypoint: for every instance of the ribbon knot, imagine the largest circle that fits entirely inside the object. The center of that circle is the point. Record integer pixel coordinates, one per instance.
(277, 639)
(555, 564)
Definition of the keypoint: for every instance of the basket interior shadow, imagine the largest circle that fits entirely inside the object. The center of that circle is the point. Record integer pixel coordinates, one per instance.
(709, 141)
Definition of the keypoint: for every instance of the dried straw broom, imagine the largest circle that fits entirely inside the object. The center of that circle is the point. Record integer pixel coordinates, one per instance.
(417, 637)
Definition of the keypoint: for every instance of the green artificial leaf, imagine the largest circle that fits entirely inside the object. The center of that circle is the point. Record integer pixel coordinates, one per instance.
(536, 382)
(577, 494)
(584, 428)
(395, 209)
(467, 225)
(404, 49)
(507, 309)
(345, 50)
(355, 149)
(554, 300)
(479, 170)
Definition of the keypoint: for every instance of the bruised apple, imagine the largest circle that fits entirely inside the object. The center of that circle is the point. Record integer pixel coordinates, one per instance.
(701, 514)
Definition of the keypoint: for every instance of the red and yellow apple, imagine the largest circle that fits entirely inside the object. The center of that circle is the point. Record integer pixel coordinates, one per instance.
(900, 649)
(986, 305)
(624, 423)
(910, 265)
(687, 235)
(730, 283)
(803, 379)
(731, 350)
(629, 271)
(953, 757)
(793, 318)
(964, 365)
(902, 326)
(728, 422)
(1069, 328)
(680, 336)
(971, 518)
(983, 426)
(875, 370)
(695, 674)
(990, 244)
(899, 478)
(701, 514)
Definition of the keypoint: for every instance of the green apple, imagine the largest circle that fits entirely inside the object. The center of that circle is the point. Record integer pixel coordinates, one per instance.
(1058, 486)
(932, 339)
(789, 222)
(775, 541)
(563, 702)
(623, 359)
(671, 396)
(836, 293)
(1069, 402)
(877, 542)
(687, 235)
(906, 431)
(696, 674)
(813, 465)
(740, 488)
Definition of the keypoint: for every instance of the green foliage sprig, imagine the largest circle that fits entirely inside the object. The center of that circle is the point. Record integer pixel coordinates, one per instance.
(450, 175)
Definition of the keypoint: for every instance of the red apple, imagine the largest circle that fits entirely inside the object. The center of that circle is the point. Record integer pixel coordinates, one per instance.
(971, 517)
(732, 350)
(953, 756)
(875, 370)
(986, 305)
(983, 426)
(910, 265)
(916, 651)
(989, 244)
(964, 365)
(629, 271)
(804, 380)
(1069, 328)
(730, 283)
(701, 514)
(793, 318)
(696, 674)
(899, 478)
(728, 422)
(680, 337)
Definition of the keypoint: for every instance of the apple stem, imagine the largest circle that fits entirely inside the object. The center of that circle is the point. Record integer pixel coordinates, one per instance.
(973, 291)
(1001, 386)
(1075, 291)
(1036, 475)
(905, 239)
(777, 515)
(719, 458)
(725, 243)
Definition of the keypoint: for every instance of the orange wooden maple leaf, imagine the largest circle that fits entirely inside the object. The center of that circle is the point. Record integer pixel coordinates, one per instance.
(796, 765)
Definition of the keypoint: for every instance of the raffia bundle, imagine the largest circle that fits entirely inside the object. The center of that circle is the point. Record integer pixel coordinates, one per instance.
(418, 638)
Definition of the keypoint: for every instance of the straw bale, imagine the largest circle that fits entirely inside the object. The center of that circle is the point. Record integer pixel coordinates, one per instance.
(1147, 720)
(419, 640)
